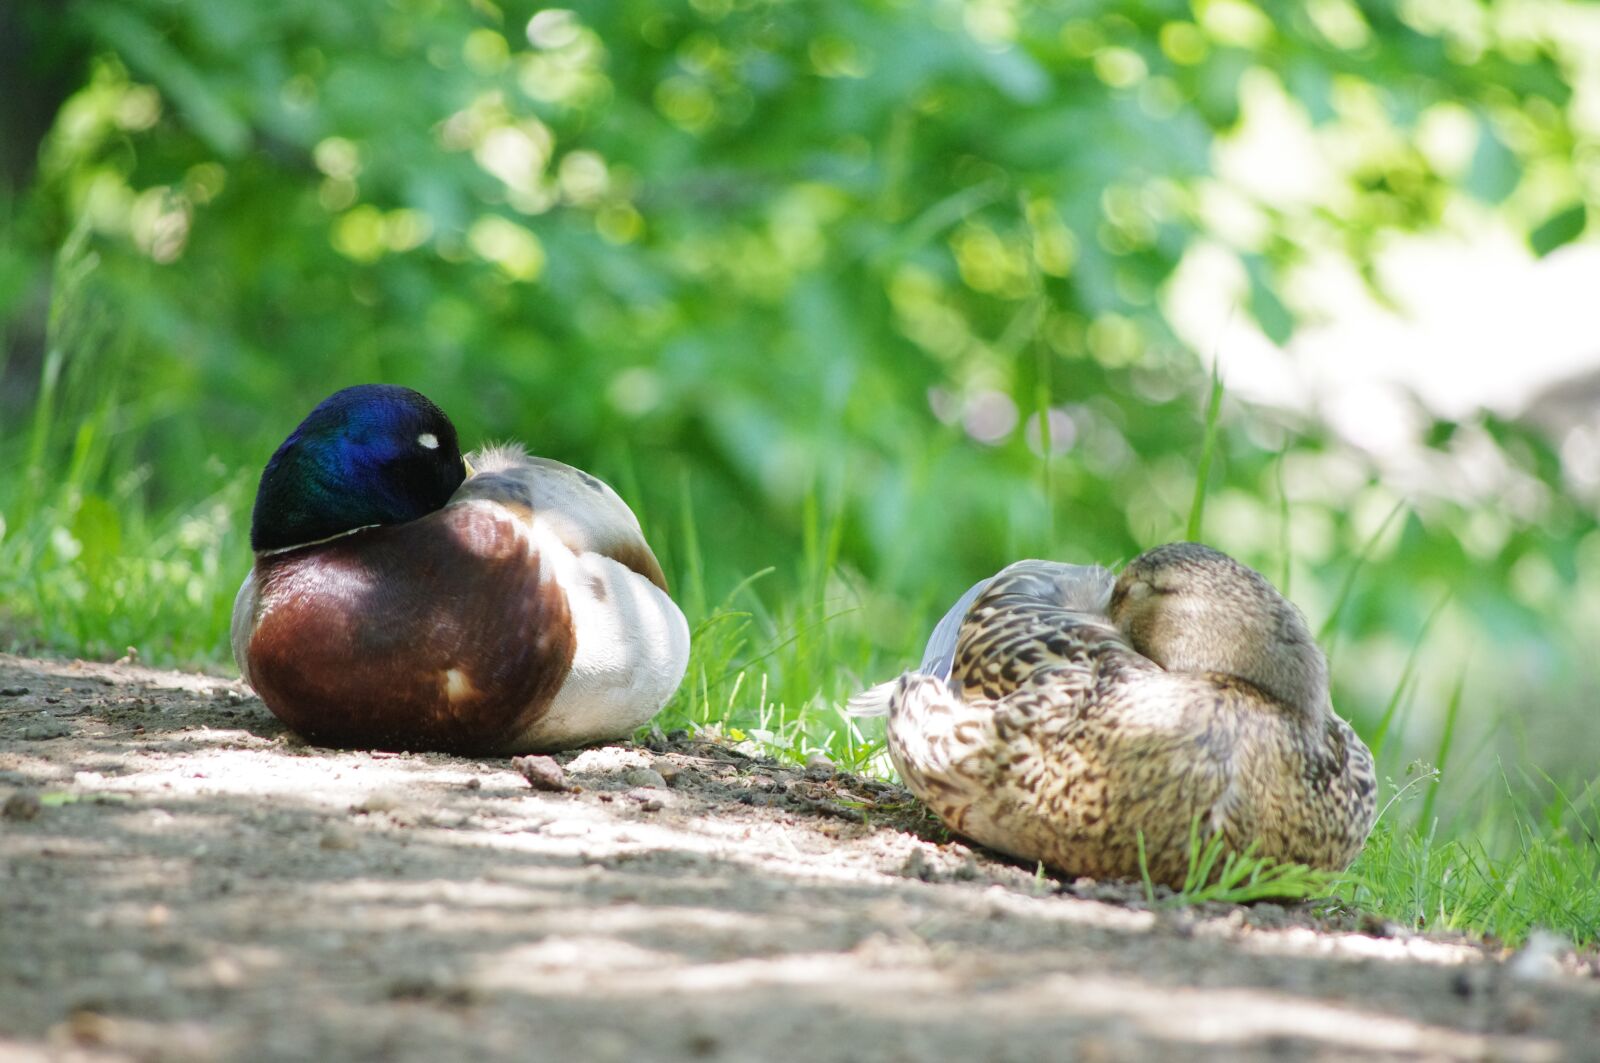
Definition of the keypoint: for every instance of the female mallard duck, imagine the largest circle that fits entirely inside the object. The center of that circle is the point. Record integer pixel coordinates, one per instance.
(406, 598)
(1059, 714)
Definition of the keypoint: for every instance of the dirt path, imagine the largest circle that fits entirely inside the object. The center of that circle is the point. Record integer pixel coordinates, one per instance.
(180, 879)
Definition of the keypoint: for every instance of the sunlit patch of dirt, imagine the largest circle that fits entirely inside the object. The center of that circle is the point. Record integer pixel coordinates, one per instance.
(182, 879)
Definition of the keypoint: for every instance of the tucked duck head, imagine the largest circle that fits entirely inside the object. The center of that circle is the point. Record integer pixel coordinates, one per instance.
(370, 454)
(1190, 608)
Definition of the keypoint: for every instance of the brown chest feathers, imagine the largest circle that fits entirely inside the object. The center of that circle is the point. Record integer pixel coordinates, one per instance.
(442, 633)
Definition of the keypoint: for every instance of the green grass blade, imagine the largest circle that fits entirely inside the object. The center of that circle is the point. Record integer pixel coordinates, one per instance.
(1144, 870)
(694, 581)
(1283, 523)
(1197, 509)
(1330, 625)
(1452, 712)
(1406, 682)
(1041, 406)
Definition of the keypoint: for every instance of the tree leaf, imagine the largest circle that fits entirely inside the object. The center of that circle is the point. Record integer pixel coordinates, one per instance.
(1275, 319)
(1495, 169)
(1562, 227)
(151, 56)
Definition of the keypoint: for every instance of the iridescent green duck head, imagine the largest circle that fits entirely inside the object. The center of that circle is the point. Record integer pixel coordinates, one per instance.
(1190, 608)
(370, 454)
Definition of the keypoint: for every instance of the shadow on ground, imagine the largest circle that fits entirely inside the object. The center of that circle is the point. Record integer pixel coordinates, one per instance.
(180, 879)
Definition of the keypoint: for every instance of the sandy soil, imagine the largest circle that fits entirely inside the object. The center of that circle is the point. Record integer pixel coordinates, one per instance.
(181, 879)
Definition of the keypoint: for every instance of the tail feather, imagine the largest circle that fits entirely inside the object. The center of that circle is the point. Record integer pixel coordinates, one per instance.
(873, 701)
(938, 744)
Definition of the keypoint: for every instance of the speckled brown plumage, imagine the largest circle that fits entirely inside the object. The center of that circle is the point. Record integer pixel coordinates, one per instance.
(1071, 722)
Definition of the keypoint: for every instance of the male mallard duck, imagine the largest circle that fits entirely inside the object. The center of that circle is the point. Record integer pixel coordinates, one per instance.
(402, 598)
(1060, 712)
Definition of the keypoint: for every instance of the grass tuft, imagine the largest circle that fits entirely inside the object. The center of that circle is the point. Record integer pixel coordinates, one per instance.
(1330, 627)
(85, 566)
(1220, 874)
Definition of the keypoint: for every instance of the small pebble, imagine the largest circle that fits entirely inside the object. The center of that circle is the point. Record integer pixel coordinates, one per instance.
(13, 692)
(1523, 1013)
(338, 838)
(542, 773)
(382, 801)
(225, 972)
(1378, 927)
(22, 805)
(87, 1027)
(1539, 959)
(437, 986)
(668, 770)
(474, 783)
(819, 767)
(916, 866)
(644, 777)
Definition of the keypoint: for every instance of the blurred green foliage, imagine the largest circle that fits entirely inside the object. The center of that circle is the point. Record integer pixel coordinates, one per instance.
(871, 293)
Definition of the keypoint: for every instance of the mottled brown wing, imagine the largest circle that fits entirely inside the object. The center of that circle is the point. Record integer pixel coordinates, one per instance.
(1010, 636)
(437, 634)
(1030, 615)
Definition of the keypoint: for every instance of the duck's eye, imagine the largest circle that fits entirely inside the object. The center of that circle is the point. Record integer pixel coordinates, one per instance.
(428, 440)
